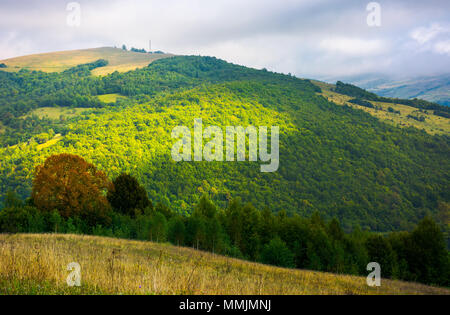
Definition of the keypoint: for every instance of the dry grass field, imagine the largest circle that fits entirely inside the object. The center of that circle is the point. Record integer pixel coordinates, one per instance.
(110, 98)
(433, 124)
(37, 264)
(119, 60)
(55, 113)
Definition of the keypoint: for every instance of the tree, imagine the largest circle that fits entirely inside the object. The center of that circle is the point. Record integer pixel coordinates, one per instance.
(196, 231)
(12, 200)
(74, 187)
(126, 195)
(124, 47)
(163, 209)
(233, 221)
(206, 212)
(143, 226)
(319, 249)
(55, 222)
(277, 253)
(443, 217)
(176, 232)
(205, 208)
(250, 242)
(267, 228)
(427, 253)
(335, 230)
(15, 220)
(294, 232)
(380, 251)
(158, 227)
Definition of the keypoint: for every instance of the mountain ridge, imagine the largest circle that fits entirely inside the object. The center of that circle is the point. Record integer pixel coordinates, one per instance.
(119, 60)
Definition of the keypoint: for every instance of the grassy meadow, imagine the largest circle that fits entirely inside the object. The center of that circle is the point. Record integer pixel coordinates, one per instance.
(55, 113)
(37, 264)
(433, 124)
(119, 60)
(110, 98)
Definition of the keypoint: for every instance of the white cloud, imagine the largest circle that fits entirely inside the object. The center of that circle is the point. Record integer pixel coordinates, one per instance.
(354, 46)
(425, 34)
(442, 47)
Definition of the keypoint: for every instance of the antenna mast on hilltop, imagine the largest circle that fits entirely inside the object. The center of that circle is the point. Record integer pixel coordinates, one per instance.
(150, 45)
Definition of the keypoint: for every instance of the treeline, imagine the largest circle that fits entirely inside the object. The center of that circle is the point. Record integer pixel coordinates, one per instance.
(93, 205)
(85, 69)
(354, 91)
(142, 50)
(442, 113)
(361, 102)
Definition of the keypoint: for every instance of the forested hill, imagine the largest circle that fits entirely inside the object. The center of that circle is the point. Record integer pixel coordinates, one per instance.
(337, 160)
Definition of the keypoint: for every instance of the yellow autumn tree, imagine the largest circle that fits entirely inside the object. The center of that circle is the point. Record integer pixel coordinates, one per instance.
(72, 186)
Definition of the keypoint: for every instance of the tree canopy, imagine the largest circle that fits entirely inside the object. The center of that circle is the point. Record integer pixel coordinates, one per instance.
(70, 185)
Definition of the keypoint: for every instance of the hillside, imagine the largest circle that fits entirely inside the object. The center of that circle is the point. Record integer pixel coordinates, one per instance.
(119, 60)
(430, 88)
(399, 115)
(337, 160)
(36, 264)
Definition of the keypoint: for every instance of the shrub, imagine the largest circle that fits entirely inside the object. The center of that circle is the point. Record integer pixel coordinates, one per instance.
(278, 254)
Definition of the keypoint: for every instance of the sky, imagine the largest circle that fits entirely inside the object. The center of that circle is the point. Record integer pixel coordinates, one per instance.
(308, 38)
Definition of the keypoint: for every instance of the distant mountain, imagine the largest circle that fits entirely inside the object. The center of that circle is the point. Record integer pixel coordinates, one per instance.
(430, 88)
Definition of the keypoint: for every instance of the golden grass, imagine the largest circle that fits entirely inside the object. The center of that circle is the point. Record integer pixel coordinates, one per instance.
(119, 60)
(36, 264)
(49, 143)
(433, 124)
(56, 112)
(110, 98)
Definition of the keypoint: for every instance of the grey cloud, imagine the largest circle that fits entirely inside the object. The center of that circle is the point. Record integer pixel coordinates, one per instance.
(307, 38)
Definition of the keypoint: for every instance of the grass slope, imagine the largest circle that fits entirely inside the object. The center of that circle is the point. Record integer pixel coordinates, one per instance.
(433, 124)
(55, 113)
(36, 264)
(119, 60)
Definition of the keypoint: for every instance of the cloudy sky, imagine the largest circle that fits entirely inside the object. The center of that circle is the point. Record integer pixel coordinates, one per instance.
(309, 38)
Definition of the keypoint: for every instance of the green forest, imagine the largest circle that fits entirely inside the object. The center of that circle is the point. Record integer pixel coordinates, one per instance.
(70, 195)
(335, 160)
